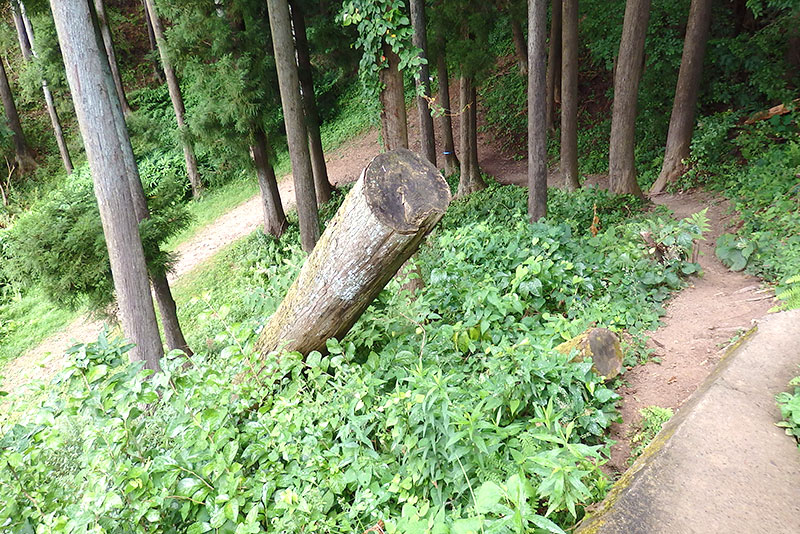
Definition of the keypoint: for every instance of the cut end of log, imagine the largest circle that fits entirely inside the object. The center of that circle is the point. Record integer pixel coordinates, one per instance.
(403, 189)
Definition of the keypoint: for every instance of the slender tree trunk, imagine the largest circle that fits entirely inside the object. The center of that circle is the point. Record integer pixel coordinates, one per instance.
(621, 164)
(520, 46)
(22, 152)
(151, 38)
(177, 101)
(22, 34)
(294, 119)
(108, 42)
(451, 162)
(537, 96)
(569, 94)
(48, 98)
(681, 122)
(394, 126)
(99, 117)
(322, 184)
(169, 313)
(397, 200)
(470, 179)
(274, 217)
(553, 64)
(420, 40)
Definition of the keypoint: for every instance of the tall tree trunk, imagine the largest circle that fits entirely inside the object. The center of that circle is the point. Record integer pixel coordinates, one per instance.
(274, 217)
(520, 46)
(537, 96)
(621, 165)
(22, 34)
(100, 120)
(175, 96)
(420, 40)
(322, 184)
(681, 122)
(151, 38)
(22, 152)
(294, 119)
(394, 126)
(553, 64)
(451, 162)
(397, 200)
(108, 42)
(48, 98)
(569, 94)
(470, 179)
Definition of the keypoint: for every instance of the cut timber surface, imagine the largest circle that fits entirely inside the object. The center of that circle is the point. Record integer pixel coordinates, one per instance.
(397, 200)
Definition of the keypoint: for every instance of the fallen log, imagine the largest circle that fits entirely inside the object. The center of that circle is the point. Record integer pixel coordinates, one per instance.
(398, 199)
(780, 109)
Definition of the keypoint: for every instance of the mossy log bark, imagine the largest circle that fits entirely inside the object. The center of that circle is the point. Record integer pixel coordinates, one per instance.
(397, 200)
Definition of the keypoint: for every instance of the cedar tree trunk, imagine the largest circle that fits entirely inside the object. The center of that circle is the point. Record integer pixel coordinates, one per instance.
(322, 184)
(537, 96)
(48, 98)
(101, 122)
(22, 34)
(295, 121)
(108, 42)
(397, 200)
(151, 38)
(451, 162)
(520, 46)
(554, 64)
(470, 179)
(681, 122)
(274, 217)
(175, 96)
(393, 104)
(569, 94)
(22, 152)
(621, 166)
(420, 40)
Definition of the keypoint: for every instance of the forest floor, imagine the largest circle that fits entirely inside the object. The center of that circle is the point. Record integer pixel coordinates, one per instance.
(699, 324)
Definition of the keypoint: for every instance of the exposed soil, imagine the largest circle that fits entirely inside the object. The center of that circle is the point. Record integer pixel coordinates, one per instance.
(699, 323)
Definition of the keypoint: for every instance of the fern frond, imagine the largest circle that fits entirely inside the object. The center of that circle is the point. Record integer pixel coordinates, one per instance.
(789, 295)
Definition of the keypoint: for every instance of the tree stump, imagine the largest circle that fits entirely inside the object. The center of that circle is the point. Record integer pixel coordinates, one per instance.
(398, 199)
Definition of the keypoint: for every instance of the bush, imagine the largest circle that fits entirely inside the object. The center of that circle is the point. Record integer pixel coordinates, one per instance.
(59, 244)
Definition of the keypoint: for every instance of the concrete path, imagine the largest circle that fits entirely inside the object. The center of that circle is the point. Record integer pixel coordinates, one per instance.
(720, 465)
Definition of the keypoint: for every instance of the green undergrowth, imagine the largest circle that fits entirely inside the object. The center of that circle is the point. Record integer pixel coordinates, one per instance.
(444, 412)
(653, 419)
(757, 167)
(789, 404)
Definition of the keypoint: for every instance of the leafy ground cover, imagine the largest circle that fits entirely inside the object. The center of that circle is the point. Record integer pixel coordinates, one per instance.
(789, 404)
(444, 412)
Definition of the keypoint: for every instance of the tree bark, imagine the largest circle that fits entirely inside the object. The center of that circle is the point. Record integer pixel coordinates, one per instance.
(108, 42)
(294, 119)
(322, 184)
(451, 163)
(470, 179)
(175, 96)
(48, 98)
(397, 200)
(569, 94)
(169, 313)
(537, 97)
(274, 217)
(553, 64)
(22, 152)
(420, 40)
(100, 120)
(621, 164)
(520, 46)
(22, 34)
(681, 122)
(151, 38)
(394, 126)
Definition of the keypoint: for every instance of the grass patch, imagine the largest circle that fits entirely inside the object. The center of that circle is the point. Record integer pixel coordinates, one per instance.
(27, 321)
